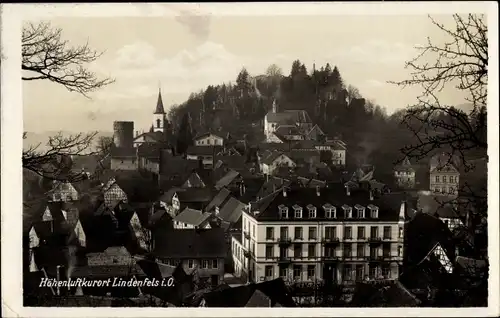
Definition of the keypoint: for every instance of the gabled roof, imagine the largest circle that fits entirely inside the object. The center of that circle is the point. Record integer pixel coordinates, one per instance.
(317, 129)
(275, 293)
(192, 217)
(444, 162)
(229, 177)
(232, 210)
(285, 130)
(194, 181)
(218, 199)
(272, 157)
(192, 243)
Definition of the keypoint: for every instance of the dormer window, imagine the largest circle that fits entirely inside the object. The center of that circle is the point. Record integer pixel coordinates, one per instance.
(283, 211)
(373, 211)
(312, 211)
(330, 211)
(297, 211)
(360, 211)
(347, 211)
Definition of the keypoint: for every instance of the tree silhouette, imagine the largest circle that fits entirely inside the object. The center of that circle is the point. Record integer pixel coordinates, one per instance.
(46, 56)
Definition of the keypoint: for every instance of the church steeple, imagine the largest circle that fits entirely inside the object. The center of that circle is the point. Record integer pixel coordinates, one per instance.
(159, 105)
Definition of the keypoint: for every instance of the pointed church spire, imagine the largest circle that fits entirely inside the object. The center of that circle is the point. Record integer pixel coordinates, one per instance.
(159, 104)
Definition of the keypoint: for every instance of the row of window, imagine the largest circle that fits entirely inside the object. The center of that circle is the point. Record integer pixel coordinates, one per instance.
(351, 272)
(347, 250)
(444, 179)
(330, 211)
(443, 190)
(331, 232)
(204, 264)
(209, 142)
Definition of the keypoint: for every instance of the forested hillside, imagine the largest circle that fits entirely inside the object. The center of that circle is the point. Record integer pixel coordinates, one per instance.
(335, 106)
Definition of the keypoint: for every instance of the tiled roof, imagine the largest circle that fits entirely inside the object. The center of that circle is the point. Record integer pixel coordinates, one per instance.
(203, 150)
(195, 195)
(289, 117)
(206, 134)
(271, 186)
(308, 157)
(234, 162)
(388, 205)
(138, 189)
(444, 162)
(149, 150)
(192, 217)
(218, 199)
(231, 211)
(119, 152)
(392, 294)
(227, 179)
(190, 243)
(275, 293)
(194, 181)
(271, 157)
(287, 130)
(423, 232)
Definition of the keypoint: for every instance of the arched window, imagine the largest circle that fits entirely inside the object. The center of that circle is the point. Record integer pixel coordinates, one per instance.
(158, 123)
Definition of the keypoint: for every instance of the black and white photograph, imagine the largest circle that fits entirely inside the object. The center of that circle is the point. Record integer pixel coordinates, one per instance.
(251, 155)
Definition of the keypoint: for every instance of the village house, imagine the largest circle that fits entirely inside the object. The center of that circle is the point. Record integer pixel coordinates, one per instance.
(205, 154)
(274, 119)
(192, 219)
(270, 161)
(331, 234)
(208, 139)
(444, 175)
(337, 148)
(124, 159)
(200, 250)
(315, 134)
(404, 174)
(177, 199)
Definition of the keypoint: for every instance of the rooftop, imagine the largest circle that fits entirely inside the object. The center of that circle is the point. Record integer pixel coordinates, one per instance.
(388, 206)
(192, 216)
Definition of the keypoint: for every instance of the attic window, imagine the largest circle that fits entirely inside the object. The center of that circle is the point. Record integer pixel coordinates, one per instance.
(330, 211)
(360, 210)
(347, 211)
(312, 211)
(373, 211)
(297, 211)
(283, 211)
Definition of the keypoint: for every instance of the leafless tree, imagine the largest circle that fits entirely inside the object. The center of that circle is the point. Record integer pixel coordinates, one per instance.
(46, 56)
(352, 93)
(461, 62)
(104, 144)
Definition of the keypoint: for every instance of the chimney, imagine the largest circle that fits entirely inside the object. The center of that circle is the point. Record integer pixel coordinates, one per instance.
(348, 190)
(318, 192)
(371, 195)
(284, 192)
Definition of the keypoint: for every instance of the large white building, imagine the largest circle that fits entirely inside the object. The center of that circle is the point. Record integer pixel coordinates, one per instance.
(331, 234)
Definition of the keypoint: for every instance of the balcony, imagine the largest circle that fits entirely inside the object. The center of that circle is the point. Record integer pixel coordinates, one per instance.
(330, 258)
(375, 240)
(331, 240)
(284, 259)
(284, 240)
(247, 254)
(376, 258)
(246, 234)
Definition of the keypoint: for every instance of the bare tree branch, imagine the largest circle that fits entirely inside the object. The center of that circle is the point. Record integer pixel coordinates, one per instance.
(46, 56)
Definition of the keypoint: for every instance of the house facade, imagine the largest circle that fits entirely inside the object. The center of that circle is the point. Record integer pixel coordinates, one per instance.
(444, 176)
(323, 235)
(404, 175)
(63, 192)
(208, 139)
(274, 160)
(124, 159)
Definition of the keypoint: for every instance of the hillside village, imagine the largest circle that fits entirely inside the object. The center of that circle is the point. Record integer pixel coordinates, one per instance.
(288, 220)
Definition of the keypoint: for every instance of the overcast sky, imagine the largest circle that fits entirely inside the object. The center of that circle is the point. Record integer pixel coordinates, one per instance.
(186, 53)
